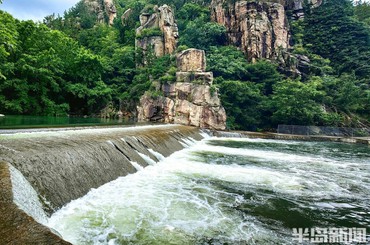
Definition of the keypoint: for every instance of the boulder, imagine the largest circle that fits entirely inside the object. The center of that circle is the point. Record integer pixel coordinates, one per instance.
(184, 103)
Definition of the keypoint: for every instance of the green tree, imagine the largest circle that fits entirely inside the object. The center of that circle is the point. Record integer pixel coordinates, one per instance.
(202, 34)
(362, 12)
(346, 94)
(242, 102)
(8, 40)
(294, 102)
(332, 32)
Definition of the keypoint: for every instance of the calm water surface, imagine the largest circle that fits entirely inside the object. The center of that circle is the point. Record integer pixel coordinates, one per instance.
(18, 122)
(227, 191)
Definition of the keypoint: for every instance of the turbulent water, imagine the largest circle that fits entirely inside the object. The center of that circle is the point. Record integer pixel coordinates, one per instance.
(227, 191)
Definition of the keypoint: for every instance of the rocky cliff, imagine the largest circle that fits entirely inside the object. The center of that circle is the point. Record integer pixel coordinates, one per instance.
(297, 6)
(260, 29)
(157, 32)
(101, 8)
(192, 100)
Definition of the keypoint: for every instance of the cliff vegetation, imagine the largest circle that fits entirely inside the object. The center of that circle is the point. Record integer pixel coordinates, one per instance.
(292, 62)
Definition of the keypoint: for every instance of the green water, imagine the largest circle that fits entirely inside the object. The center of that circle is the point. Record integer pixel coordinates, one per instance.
(18, 122)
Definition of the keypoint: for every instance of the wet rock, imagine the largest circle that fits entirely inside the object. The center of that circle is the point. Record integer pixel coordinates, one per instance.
(16, 226)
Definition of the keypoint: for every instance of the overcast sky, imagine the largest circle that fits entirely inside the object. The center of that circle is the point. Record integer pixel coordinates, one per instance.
(36, 9)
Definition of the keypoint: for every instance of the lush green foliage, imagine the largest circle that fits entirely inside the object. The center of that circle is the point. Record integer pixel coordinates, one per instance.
(39, 74)
(332, 32)
(362, 12)
(72, 64)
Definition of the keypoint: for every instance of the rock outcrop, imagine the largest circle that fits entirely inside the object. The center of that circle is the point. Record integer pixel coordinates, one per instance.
(259, 29)
(191, 100)
(157, 32)
(191, 60)
(99, 8)
(297, 7)
(126, 15)
(110, 10)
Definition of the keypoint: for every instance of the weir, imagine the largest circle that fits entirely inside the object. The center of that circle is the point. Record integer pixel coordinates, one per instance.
(42, 171)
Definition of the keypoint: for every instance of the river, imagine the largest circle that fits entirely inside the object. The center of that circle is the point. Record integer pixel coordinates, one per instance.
(22, 122)
(227, 191)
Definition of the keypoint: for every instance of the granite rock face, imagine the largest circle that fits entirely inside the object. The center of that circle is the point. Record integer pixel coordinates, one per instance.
(98, 7)
(184, 103)
(297, 7)
(260, 29)
(164, 32)
(191, 100)
(191, 60)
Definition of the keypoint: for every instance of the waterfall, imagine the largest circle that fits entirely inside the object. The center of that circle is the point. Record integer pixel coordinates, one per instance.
(64, 165)
(26, 197)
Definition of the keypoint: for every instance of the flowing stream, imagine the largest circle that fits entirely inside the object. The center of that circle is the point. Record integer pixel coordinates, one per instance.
(226, 191)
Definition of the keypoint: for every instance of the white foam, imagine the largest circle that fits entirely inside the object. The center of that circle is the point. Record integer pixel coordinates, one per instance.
(158, 155)
(146, 158)
(137, 166)
(85, 131)
(26, 197)
(176, 199)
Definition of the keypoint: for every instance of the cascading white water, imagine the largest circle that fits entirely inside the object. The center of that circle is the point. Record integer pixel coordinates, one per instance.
(226, 190)
(146, 158)
(26, 197)
(158, 155)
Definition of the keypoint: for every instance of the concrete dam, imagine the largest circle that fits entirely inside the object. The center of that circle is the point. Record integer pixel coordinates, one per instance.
(42, 171)
(170, 184)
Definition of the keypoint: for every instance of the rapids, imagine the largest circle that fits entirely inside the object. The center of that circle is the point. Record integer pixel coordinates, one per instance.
(226, 190)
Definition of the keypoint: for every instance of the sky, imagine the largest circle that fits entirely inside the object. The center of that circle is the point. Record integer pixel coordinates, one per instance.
(36, 10)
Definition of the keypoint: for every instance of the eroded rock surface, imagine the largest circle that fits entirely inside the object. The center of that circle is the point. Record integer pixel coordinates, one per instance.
(158, 32)
(191, 60)
(99, 8)
(191, 100)
(259, 29)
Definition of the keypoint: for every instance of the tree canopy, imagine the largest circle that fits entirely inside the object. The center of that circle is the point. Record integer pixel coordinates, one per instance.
(72, 64)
